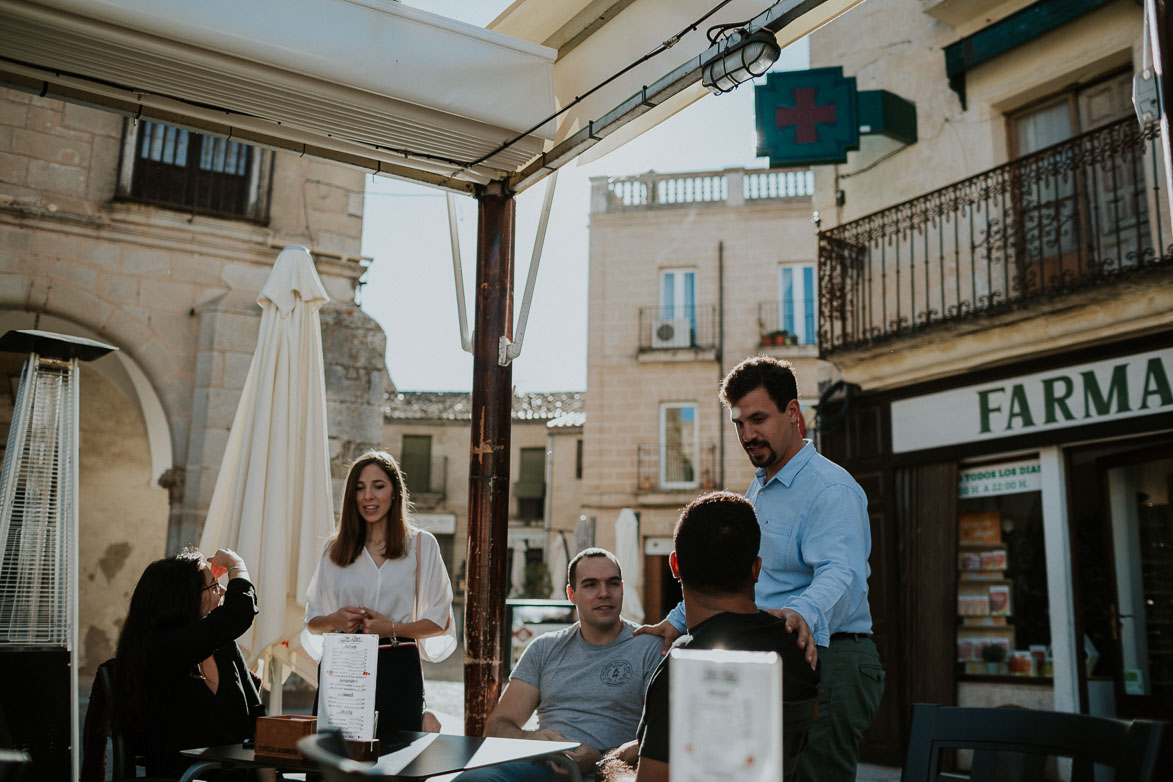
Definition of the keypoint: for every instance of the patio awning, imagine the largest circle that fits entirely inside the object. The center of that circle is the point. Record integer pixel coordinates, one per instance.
(595, 38)
(376, 84)
(383, 86)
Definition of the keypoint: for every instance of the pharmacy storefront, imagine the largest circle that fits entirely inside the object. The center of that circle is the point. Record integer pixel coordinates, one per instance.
(1030, 510)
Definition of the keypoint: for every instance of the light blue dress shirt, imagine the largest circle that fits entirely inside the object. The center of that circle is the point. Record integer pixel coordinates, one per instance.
(815, 545)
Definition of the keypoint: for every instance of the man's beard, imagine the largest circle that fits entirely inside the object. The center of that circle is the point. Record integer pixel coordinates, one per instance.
(765, 457)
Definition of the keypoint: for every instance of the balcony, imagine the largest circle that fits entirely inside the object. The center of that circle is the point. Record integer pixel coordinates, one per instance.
(776, 338)
(663, 468)
(733, 187)
(677, 328)
(1083, 213)
(427, 481)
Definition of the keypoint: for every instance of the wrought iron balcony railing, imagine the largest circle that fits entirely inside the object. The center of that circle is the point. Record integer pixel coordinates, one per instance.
(677, 328)
(1078, 214)
(676, 467)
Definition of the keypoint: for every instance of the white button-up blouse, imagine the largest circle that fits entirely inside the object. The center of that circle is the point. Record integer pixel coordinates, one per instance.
(388, 589)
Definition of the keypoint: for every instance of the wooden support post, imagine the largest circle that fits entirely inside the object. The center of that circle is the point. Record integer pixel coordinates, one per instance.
(488, 471)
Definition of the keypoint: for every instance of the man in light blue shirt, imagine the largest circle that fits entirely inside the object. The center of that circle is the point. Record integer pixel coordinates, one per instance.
(815, 545)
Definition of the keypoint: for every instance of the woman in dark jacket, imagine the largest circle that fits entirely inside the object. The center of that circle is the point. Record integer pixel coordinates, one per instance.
(180, 680)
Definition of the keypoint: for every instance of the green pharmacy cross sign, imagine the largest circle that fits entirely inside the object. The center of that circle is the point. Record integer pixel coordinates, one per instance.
(817, 116)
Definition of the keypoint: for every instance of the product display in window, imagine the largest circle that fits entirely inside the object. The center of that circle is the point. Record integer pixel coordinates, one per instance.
(1003, 629)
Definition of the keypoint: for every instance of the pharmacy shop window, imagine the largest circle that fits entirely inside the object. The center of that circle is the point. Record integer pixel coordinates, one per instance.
(1003, 627)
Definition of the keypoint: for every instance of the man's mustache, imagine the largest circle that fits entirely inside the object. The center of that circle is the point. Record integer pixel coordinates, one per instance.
(755, 444)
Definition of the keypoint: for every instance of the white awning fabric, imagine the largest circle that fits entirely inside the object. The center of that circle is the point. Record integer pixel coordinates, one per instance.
(369, 82)
(383, 86)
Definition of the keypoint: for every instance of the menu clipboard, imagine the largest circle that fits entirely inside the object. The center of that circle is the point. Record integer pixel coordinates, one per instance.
(346, 684)
(726, 716)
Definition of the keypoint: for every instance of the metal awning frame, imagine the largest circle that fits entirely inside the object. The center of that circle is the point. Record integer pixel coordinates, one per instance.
(774, 19)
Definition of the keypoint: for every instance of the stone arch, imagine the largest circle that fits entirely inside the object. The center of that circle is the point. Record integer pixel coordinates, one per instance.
(122, 370)
(123, 512)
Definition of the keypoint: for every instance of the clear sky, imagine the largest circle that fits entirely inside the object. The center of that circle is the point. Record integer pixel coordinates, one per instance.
(409, 288)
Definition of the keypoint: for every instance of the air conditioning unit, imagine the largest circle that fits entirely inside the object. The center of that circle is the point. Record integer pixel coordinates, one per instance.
(672, 333)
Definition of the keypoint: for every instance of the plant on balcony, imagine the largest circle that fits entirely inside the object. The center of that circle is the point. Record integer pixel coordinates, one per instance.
(775, 337)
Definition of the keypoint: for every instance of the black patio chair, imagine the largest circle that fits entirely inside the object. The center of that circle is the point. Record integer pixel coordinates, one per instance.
(126, 758)
(1012, 745)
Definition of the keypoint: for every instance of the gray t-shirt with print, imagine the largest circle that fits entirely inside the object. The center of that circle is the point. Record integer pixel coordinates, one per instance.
(593, 694)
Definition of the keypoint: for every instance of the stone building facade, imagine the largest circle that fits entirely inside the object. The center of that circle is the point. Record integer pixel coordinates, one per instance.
(689, 274)
(429, 433)
(1019, 250)
(157, 241)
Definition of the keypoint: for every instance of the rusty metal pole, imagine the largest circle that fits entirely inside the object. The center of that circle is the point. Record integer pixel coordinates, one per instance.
(488, 469)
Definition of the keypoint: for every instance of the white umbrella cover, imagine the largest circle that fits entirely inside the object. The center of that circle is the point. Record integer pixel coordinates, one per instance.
(558, 563)
(273, 503)
(627, 552)
(517, 573)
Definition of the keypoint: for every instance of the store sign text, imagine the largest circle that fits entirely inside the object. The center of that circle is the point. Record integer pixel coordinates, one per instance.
(1009, 407)
(1109, 390)
(1009, 478)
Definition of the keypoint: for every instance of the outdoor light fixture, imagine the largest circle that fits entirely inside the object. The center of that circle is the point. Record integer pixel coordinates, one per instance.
(747, 55)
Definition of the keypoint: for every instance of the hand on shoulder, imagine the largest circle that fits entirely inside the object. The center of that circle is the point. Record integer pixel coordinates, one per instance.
(665, 630)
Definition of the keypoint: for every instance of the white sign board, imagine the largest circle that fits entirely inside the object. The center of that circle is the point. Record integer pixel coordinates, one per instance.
(725, 716)
(346, 686)
(1108, 390)
(994, 479)
(436, 523)
(657, 546)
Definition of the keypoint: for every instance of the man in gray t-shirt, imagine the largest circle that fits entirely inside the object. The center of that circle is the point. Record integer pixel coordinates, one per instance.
(586, 682)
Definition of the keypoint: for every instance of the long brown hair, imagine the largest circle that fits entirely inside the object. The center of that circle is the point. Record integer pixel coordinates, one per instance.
(352, 529)
(167, 596)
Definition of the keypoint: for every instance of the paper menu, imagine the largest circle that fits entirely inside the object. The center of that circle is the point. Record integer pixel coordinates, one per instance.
(346, 684)
(725, 716)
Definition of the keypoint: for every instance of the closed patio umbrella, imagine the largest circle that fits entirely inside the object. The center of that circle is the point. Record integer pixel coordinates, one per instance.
(273, 502)
(627, 552)
(558, 563)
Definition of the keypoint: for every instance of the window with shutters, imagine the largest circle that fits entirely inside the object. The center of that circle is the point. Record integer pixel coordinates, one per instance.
(181, 169)
(530, 488)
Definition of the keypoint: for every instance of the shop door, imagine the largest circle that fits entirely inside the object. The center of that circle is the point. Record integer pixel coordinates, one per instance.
(661, 590)
(1137, 488)
(860, 442)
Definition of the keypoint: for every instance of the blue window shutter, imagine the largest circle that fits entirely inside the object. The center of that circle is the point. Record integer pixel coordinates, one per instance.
(808, 304)
(788, 300)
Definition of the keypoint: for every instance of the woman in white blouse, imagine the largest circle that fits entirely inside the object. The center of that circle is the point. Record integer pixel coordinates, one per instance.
(381, 575)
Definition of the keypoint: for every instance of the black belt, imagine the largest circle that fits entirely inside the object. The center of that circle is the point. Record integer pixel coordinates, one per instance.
(851, 636)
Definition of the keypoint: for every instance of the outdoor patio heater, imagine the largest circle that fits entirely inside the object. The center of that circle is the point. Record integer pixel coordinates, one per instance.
(38, 554)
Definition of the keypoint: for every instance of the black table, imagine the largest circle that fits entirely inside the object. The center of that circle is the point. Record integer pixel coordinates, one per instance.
(414, 755)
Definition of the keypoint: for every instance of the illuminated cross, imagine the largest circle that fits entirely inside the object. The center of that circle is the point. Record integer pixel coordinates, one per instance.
(804, 116)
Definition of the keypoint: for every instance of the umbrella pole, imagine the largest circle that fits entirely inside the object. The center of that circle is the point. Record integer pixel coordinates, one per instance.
(488, 472)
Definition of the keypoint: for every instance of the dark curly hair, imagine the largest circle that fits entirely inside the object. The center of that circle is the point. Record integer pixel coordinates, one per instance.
(772, 374)
(716, 541)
